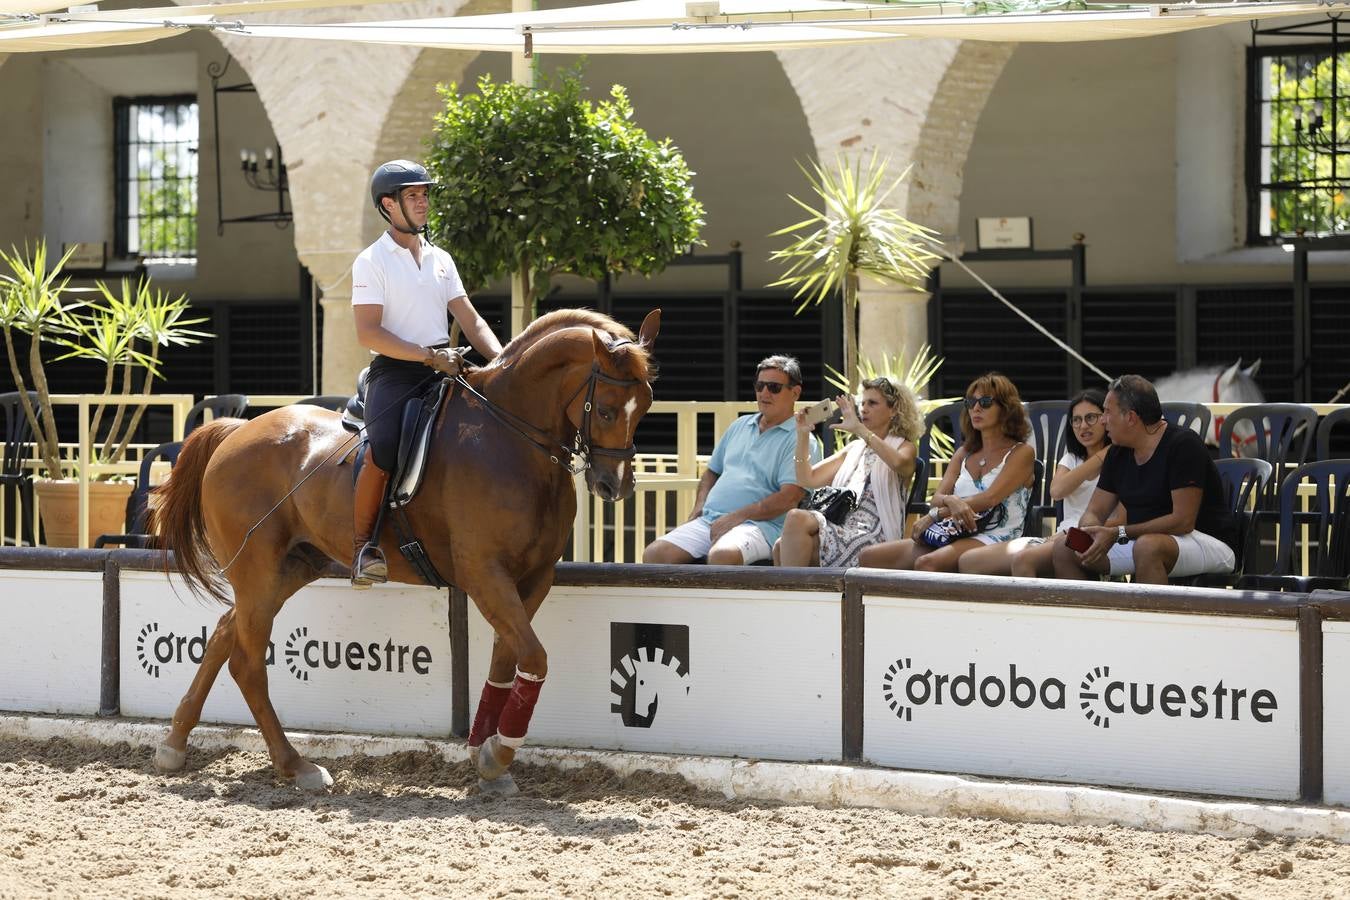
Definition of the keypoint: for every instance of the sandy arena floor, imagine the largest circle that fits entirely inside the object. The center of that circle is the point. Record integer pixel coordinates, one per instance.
(80, 821)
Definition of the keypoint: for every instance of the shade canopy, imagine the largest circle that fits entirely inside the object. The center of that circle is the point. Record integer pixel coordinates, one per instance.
(639, 26)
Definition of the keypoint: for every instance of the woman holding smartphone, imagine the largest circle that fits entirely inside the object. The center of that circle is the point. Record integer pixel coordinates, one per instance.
(1085, 446)
(877, 467)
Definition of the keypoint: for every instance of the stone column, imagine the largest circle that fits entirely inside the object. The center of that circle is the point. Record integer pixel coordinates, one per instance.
(343, 357)
(892, 321)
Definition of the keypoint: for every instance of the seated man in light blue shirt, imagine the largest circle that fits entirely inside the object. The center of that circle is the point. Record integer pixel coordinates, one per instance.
(750, 483)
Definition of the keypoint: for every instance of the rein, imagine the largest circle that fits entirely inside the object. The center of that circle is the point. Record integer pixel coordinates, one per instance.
(576, 458)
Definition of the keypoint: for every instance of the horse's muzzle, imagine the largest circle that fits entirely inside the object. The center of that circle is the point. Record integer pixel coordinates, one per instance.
(610, 486)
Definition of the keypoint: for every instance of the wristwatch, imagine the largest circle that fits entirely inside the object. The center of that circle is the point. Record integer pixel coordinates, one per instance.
(1121, 537)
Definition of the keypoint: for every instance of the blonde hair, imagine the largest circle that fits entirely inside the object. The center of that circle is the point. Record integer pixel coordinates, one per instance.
(905, 418)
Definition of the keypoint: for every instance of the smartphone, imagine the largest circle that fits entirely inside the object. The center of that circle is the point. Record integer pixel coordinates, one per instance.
(1078, 539)
(819, 412)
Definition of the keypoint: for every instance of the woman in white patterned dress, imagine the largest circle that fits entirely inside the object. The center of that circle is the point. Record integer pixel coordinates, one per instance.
(877, 466)
(994, 467)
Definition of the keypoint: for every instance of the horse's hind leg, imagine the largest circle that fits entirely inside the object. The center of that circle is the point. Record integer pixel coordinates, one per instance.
(248, 666)
(170, 755)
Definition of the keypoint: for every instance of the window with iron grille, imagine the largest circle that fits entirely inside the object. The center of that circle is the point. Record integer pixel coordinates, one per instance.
(156, 177)
(1298, 144)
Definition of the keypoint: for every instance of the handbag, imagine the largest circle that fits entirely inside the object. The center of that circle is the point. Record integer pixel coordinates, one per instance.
(833, 503)
(944, 531)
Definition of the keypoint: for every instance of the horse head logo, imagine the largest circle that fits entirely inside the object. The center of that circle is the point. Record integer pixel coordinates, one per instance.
(650, 670)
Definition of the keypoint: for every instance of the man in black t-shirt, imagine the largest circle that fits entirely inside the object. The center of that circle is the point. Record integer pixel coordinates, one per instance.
(1176, 520)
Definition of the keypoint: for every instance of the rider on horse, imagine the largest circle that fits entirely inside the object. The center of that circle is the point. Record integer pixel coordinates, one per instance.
(402, 287)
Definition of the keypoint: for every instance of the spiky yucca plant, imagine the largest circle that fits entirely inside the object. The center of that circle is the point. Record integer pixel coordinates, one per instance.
(916, 375)
(853, 234)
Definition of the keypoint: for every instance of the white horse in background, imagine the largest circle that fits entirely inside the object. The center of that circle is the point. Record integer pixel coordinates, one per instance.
(1217, 384)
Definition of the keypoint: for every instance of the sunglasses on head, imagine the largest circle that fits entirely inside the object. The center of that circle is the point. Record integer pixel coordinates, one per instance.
(981, 402)
(1089, 419)
(773, 387)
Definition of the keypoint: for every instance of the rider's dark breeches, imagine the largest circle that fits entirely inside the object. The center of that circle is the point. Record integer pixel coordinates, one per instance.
(391, 382)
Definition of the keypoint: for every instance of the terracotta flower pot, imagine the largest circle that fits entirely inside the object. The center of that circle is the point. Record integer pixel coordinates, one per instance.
(59, 504)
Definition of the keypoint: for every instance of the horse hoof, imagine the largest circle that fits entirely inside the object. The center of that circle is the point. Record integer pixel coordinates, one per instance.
(489, 767)
(167, 759)
(314, 778)
(501, 786)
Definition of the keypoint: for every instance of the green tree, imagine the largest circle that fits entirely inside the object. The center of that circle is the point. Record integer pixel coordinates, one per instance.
(540, 181)
(166, 205)
(1307, 183)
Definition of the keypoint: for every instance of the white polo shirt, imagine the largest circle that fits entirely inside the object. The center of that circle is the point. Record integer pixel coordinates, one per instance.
(414, 298)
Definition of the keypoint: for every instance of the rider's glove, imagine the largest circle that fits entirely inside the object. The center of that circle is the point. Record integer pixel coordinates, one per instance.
(445, 361)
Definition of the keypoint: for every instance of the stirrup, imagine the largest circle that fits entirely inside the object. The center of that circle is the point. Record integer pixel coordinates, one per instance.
(369, 566)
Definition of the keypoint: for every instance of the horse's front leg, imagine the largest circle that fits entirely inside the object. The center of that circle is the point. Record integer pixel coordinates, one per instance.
(515, 677)
(172, 754)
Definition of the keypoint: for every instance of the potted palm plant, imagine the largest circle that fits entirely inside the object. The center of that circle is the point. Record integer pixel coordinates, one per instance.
(123, 330)
(853, 233)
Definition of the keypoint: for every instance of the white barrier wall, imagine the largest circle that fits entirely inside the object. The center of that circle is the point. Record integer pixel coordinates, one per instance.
(1335, 713)
(344, 660)
(689, 670)
(1207, 704)
(53, 625)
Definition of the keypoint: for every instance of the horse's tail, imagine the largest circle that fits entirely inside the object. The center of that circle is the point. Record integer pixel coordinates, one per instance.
(177, 518)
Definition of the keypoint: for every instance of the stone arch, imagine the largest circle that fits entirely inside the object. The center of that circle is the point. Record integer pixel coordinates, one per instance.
(918, 102)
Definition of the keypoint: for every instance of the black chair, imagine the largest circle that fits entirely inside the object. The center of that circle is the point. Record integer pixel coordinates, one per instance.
(221, 406)
(947, 418)
(1243, 482)
(1185, 414)
(18, 435)
(1035, 519)
(328, 401)
(1049, 429)
(1328, 525)
(138, 503)
(1282, 436)
(1330, 422)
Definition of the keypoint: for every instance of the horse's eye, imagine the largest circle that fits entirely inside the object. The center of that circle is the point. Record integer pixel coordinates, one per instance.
(607, 415)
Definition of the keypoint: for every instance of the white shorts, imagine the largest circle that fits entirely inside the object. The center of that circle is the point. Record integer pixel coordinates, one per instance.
(1197, 554)
(695, 538)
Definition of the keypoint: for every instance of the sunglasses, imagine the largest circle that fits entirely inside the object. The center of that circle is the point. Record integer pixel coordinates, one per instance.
(1089, 419)
(773, 387)
(981, 402)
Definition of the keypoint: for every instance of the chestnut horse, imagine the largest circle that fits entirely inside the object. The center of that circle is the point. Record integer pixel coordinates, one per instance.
(494, 510)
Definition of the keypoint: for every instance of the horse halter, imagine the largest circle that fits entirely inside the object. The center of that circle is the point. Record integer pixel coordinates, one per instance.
(582, 448)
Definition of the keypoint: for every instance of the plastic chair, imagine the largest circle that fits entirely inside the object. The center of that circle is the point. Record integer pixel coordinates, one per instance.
(1329, 423)
(948, 415)
(138, 505)
(221, 406)
(1185, 414)
(18, 436)
(1328, 525)
(1283, 434)
(1035, 519)
(328, 401)
(1049, 429)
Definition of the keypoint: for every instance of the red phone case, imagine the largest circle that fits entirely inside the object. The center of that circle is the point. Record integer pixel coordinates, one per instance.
(1078, 539)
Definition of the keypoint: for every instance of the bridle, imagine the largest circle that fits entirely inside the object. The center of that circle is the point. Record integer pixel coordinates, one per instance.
(576, 458)
(1237, 442)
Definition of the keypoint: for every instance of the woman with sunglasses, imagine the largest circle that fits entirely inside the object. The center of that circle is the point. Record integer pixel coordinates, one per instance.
(1085, 446)
(878, 467)
(993, 468)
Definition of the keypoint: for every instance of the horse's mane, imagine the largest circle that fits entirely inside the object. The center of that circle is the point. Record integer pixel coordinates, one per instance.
(632, 358)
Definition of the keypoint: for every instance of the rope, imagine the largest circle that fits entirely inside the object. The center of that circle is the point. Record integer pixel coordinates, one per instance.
(946, 254)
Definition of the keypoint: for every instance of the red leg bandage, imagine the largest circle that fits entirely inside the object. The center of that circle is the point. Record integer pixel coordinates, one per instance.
(515, 719)
(489, 711)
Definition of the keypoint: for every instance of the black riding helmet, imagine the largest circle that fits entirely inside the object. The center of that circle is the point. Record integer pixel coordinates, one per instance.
(390, 179)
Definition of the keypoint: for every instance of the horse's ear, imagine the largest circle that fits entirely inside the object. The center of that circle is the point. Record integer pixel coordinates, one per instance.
(602, 351)
(650, 326)
(1251, 370)
(1230, 374)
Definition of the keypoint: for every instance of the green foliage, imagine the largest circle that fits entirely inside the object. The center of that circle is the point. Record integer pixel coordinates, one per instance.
(124, 331)
(916, 375)
(167, 210)
(1308, 192)
(853, 233)
(541, 181)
